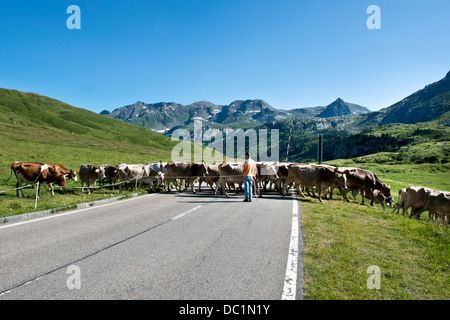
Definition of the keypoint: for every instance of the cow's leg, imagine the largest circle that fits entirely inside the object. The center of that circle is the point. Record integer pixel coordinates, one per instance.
(285, 187)
(371, 198)
(200, 181)
(405, 210)
(331, 191)
(363, 194)
(413, 211)
(299, 190)
(17, 190)
(191, 181)
(319, 189)
(344, 194)
(218, 183)
(167, 184)
(396, 209)
(224, 184)
(382, 205)
(19, 185)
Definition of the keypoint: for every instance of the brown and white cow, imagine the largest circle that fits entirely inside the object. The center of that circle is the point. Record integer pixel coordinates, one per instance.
(186, 171)
(311, 175)
(34, 172)
(69, 174)
(89, 175)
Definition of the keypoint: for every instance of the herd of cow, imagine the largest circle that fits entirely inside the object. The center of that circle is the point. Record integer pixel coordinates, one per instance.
(271, 176)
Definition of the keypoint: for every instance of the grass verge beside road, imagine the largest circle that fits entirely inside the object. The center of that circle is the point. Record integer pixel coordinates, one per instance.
(343, 239)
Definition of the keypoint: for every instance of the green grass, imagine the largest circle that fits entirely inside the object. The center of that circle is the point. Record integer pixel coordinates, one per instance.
(46, 145)
(343, 239)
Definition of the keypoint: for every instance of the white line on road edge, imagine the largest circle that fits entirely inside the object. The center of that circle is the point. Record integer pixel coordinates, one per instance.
(290, 280)
(71, 212)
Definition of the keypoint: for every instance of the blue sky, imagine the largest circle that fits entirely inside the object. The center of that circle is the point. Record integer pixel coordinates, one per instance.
(291, 54)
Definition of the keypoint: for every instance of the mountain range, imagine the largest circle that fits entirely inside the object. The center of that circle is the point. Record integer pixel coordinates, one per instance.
(164, 116)
(429, 103)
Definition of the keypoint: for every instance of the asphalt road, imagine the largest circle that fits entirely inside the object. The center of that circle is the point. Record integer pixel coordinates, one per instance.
(157, 246)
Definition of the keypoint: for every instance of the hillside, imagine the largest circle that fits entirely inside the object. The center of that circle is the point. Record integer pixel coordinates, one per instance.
(38, 128)
(427, 104)
(346, 137)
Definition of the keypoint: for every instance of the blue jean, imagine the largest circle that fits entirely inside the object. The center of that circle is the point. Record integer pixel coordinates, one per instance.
(248, 186)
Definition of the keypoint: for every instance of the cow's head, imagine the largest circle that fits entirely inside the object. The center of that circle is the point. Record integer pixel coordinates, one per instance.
(72, 175)
(390, 201)
(386, 190)
(100, 172)
(160, 178)
(203, 169)
(341, 180)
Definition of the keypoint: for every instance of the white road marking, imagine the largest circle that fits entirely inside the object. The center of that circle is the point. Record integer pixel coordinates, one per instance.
(71, 212)
(185, 213)
(290, 280)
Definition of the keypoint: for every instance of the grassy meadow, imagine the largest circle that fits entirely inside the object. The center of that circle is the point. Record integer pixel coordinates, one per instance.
(343, 239)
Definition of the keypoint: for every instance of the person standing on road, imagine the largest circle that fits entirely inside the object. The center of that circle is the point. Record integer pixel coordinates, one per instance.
(249, 174)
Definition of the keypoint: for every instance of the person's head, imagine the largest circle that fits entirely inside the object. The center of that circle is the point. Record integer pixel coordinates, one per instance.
(247, 155)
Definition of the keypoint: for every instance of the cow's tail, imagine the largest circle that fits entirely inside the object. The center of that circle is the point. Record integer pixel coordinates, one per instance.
(10, 175)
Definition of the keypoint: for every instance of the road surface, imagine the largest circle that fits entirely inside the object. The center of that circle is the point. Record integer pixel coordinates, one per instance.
(157, 246)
